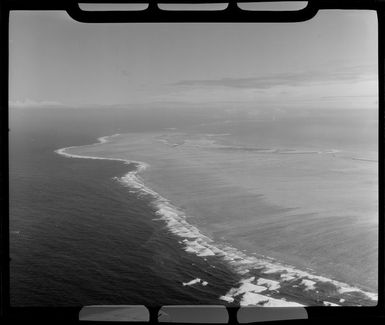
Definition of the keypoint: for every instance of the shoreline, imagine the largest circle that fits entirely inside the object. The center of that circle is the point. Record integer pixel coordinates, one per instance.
(251, 291)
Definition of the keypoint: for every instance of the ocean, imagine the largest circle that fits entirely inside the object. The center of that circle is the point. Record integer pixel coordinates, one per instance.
(193, 206)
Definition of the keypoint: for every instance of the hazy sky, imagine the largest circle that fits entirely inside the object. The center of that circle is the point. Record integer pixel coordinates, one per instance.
(330, 61)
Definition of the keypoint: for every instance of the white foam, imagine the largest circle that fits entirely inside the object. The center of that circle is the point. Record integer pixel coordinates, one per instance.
(343, 288)
(309, 284)
(107, 138)
(250, 293)
(195, 281)
(254, 299)
(286, 272)
(248, 286)
(281, 303)
(271, 284)
(327, 303)
(243, 272)
(101, 140)
(227, 298)
(199, 244)
(287, 277)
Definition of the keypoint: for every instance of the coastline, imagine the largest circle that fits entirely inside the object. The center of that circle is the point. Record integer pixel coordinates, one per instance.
(274, 278)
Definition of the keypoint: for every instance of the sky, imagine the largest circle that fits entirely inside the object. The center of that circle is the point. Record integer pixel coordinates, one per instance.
(327, 62)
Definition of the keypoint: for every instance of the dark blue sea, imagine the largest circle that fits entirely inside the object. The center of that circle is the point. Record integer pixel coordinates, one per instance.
(82, 233)
(78, 237)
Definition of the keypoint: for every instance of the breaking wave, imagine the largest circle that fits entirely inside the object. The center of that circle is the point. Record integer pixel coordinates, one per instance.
(265, 281)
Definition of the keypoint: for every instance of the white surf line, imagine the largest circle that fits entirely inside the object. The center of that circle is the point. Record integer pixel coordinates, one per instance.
(197, 243)
(101, 140)
(250, 295)
(327, 303)
(195, 281)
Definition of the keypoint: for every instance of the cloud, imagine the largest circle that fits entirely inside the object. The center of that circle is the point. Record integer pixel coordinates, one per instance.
(350, 96)
(342, 74)
(30, 103)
